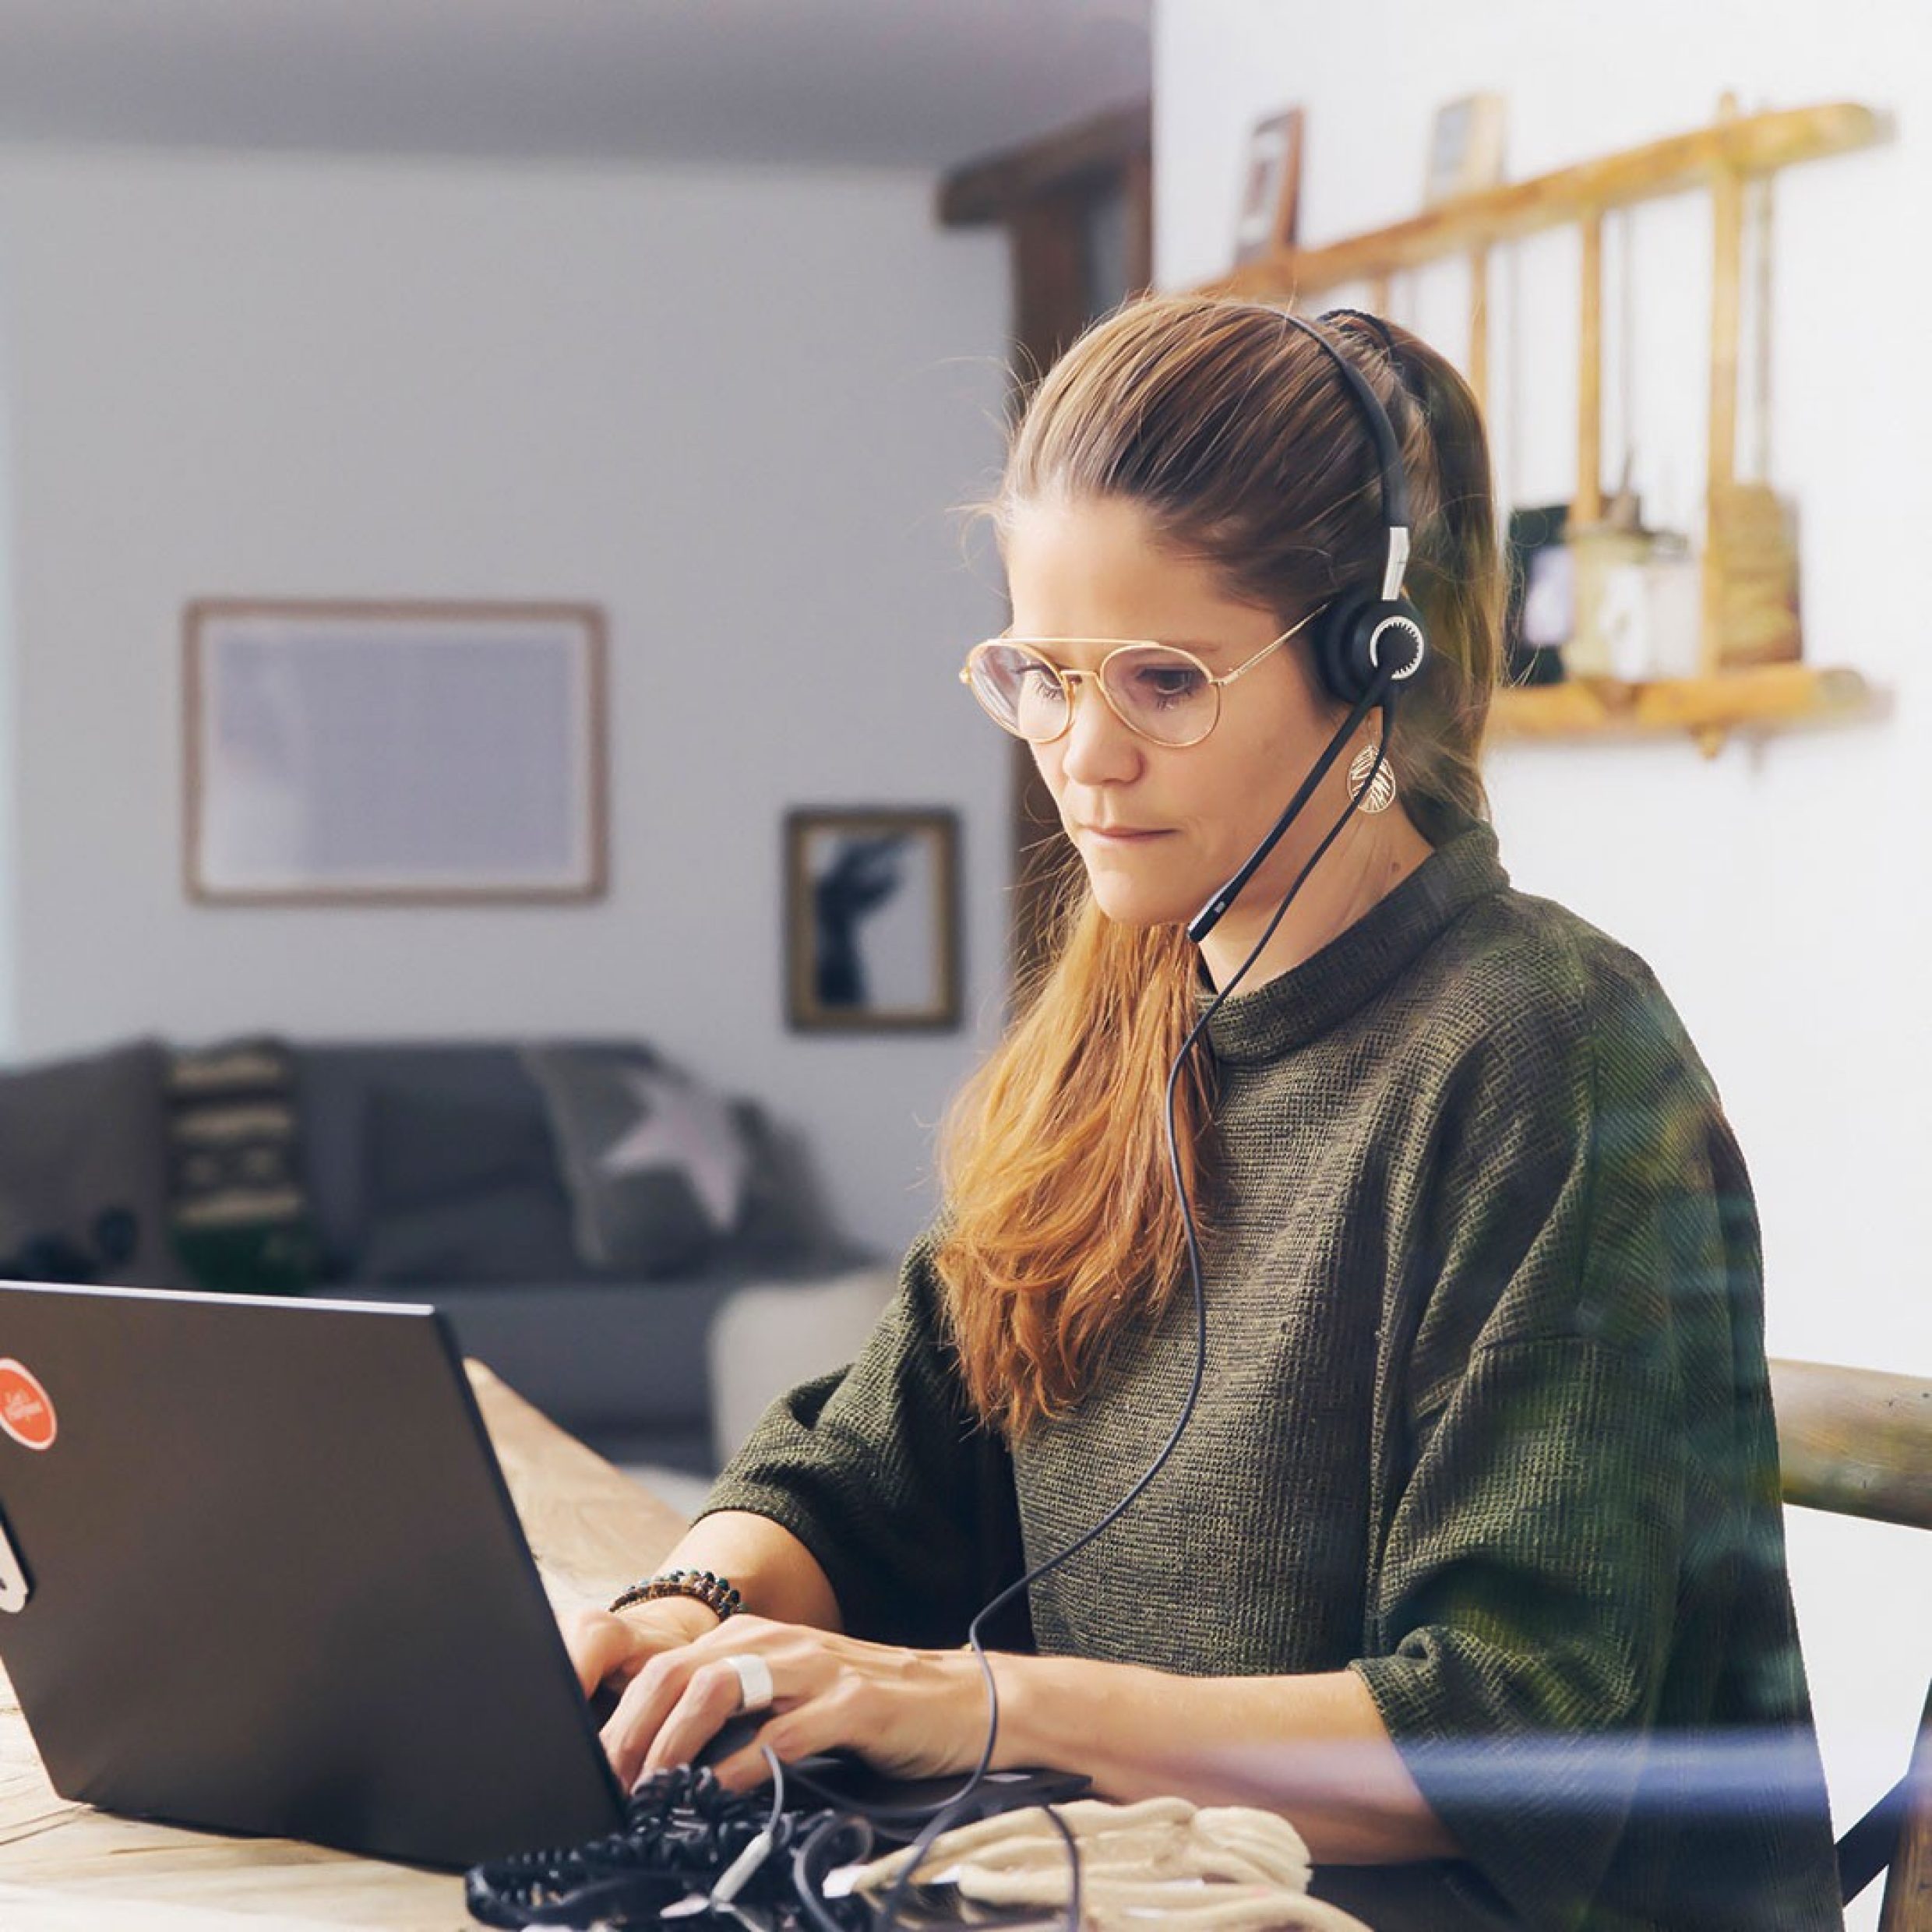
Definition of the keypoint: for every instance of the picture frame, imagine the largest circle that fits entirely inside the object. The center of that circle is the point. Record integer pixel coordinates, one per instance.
(1540, 616)
(407, 752)
(1269, 218)
(1465, 148)
(871, 919)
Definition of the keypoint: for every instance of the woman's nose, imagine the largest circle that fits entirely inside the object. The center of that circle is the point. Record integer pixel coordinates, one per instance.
(1098, 748)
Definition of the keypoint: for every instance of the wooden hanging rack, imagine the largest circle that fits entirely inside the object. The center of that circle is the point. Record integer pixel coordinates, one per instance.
(1721, 157)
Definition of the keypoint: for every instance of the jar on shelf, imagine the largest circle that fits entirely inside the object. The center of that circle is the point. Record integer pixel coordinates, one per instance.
(1673, 609)
(1607, 639)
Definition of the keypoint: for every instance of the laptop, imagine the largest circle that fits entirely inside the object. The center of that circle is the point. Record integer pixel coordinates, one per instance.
(259, 1573)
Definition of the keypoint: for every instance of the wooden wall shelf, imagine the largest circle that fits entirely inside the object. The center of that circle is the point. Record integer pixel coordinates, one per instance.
(1748, 145)
(1743, 590)
(1710, 709)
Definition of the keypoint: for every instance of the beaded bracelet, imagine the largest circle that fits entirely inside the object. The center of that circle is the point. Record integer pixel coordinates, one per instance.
(714, 1592)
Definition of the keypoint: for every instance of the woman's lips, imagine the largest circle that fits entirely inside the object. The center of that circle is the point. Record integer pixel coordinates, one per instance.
(1122, 834)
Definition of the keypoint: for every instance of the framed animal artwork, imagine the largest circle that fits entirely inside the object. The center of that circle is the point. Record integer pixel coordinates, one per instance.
(872, 920)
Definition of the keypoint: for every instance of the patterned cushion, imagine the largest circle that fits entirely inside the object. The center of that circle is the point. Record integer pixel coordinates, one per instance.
(239, 1213)
(656, 1165)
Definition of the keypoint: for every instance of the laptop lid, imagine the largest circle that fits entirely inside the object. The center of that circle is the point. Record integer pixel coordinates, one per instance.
(260, 1573)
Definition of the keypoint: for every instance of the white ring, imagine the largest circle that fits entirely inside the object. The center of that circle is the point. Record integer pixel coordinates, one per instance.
(754, 1690)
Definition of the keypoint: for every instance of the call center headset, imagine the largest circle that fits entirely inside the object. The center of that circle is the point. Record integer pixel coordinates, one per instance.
(1359, 632)
(1367, 642)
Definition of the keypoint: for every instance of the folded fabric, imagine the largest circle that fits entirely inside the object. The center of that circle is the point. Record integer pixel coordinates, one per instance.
(1161, 1861)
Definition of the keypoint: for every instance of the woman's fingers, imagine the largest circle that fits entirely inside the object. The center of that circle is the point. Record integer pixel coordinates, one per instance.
(712, 1696)
(655, 1693)
(647, 1700)
(830, 1721)
(599, 1644)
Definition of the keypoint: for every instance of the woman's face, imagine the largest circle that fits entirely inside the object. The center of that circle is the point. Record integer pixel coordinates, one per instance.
(1161, 829)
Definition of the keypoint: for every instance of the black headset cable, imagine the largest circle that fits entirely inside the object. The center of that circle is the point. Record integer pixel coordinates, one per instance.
(887, 1919)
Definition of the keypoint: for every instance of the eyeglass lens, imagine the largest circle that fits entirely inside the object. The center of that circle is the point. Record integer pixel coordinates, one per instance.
(1163, 694)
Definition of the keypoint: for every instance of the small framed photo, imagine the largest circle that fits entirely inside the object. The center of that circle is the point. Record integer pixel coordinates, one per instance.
(872, 920)
(413, 754)
(1271, 187)
(1542, 610)
(1465, 148)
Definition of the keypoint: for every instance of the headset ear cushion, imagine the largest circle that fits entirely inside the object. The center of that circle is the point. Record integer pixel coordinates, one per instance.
(1335, 632)
(1346, 649)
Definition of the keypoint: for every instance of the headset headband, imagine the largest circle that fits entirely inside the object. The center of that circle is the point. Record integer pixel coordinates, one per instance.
(1404, 371)
(1387, 452)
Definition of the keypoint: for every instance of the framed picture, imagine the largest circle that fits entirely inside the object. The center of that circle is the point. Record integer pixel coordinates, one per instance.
(872, 920)
(412, 753)
(1465, 148)
(1271, 187)
(1542, 608)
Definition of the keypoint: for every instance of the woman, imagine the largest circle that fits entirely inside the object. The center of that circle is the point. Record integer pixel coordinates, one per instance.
(1474, 1524)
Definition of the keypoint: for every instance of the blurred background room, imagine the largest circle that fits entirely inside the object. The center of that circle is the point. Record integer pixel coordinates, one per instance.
(421, 423)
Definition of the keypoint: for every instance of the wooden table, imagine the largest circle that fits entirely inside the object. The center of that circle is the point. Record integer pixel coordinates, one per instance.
(66, 1868)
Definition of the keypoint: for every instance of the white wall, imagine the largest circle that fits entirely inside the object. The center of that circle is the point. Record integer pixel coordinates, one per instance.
(731, 408)
(1777, 891)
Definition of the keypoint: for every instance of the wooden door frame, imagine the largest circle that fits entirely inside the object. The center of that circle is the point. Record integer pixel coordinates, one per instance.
(1043, 194)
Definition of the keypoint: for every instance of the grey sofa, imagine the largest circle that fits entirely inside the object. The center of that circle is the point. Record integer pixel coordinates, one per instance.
(431, 1175)
(620, 1363)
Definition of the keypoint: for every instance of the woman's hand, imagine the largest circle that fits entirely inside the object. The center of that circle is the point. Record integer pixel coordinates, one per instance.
(608, 1648)
(911, 1713)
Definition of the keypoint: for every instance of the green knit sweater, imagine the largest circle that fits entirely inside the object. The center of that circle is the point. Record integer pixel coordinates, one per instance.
(1485, 1420)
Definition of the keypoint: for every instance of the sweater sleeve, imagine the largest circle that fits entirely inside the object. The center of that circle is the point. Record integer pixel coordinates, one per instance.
(1576, 1549)
(883, 1473)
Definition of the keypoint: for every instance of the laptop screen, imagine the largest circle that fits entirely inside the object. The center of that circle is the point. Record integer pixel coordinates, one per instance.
(272, 1582)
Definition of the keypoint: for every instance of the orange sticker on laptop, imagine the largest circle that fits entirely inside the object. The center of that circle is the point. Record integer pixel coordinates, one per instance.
(26, 1410)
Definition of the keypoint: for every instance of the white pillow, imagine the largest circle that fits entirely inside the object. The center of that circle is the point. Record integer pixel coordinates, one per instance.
(767, 1339)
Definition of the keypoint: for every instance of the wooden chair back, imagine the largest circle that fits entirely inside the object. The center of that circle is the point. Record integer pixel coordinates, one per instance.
(1858, 1442)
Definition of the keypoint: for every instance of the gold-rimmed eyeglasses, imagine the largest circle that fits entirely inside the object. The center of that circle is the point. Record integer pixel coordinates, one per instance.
(1159, 692)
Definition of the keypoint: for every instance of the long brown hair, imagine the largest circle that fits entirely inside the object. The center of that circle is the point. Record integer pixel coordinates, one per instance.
(1235, 434)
